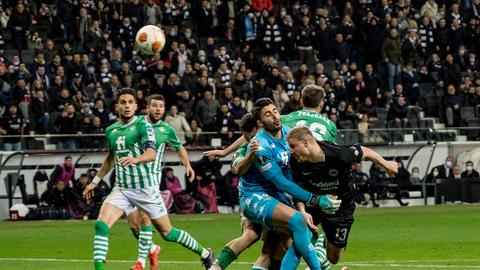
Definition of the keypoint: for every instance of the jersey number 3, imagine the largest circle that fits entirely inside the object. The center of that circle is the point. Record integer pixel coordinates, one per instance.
(121, 143)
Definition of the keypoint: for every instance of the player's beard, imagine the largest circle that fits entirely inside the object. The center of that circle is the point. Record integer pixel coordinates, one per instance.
(271, 128)
(153, 118)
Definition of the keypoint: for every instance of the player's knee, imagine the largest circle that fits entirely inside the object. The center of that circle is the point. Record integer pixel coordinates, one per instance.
(297, 222)
(168, 234)
(250, 236)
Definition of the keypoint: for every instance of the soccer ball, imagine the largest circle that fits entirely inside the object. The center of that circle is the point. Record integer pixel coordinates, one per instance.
(150, 39)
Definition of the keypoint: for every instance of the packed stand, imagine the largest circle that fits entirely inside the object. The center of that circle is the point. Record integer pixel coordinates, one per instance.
(380, 62)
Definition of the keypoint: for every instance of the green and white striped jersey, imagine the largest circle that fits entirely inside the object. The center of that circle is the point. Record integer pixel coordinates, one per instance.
(323, 129)
(128, 140)
(164, 134)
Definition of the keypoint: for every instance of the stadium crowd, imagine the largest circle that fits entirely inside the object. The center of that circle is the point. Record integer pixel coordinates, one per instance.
(63, 62)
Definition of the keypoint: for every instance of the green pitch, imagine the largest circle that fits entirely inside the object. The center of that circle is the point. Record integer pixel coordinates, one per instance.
(438, 237)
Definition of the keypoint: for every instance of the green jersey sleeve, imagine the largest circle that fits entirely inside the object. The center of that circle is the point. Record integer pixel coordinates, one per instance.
(173, 139)
(239, 154)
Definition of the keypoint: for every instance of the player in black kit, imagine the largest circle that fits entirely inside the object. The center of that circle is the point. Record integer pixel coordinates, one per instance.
(324, 168)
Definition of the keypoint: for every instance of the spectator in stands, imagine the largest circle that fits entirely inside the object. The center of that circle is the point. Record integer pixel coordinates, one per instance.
(195, 138)
(64, 172)
(179, 124)
(237, 111)
(391, 54)
(12, 124)
(367, 108)
(67, 123)
(280, 97)
(452, 102)
(60, 197)
(19, 26)
(469, 172)
(456, 173)
(361, 181)
(402, 179)
(415, 178)
(397, 114)
(96, 128)
(445, 169)
(170, 182)
(451, 73)
(293, 104)
(41, 112)
(304, 39)
(208, 178)
(206, 110)
(224, 125)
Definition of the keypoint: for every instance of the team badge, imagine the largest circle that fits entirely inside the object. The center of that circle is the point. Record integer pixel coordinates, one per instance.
(162, 129)
(333, 172)
(132, 128)
(262, 160)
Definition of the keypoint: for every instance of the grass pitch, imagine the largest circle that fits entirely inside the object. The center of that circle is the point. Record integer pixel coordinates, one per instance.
(435, 237)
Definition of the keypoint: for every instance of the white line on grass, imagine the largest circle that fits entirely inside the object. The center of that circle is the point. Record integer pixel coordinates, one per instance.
(357, 264)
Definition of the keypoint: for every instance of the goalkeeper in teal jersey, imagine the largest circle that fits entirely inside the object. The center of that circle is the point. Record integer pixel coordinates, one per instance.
(137, 182)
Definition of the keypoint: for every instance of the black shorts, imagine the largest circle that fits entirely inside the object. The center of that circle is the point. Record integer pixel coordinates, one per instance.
(336, 227)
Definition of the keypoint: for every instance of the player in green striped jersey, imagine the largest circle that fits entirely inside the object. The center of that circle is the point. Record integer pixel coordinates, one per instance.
(131, 147)
(164, 134)
(310, 115)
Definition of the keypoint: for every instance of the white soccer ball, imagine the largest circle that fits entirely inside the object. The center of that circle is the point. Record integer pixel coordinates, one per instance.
(18, 211)
(150, 39)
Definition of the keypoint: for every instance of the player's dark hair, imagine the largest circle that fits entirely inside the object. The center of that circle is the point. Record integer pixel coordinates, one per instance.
(248, 122)
(126, 91)
(312, 95)
(259, 104)
(155, 97)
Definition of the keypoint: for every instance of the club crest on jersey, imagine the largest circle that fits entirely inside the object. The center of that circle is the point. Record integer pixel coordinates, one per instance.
(132, 128)
(333, 172)
(162, 129)
(262, 160)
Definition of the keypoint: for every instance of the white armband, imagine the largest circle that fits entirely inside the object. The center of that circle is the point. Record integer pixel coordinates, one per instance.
(96, 180)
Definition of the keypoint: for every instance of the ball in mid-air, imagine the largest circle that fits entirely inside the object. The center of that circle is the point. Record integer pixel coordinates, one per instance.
(150, 39)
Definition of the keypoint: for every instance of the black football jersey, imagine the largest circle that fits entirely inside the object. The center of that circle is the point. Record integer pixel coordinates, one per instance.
(331, 176)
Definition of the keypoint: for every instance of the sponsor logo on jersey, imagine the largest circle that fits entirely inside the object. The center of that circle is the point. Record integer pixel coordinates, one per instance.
(333, 172)
(262, 160)
(326, 185)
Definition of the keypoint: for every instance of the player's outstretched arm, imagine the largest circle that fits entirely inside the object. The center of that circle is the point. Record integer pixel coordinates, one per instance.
(390, 166)
(241, 167)
(274, 173)
(183, 156)
(149, 155)
(230, 149)
(107, 165)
